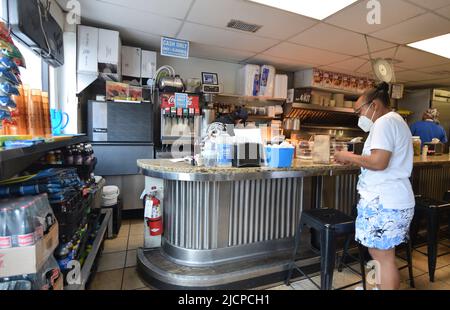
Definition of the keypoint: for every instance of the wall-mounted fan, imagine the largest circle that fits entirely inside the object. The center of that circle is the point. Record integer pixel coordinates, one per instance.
(383, 70)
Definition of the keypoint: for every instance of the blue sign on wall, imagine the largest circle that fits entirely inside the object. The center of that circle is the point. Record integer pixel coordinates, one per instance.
(181, 100)
(174, 48)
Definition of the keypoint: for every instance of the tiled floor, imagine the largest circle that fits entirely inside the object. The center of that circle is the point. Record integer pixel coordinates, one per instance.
(117, 267)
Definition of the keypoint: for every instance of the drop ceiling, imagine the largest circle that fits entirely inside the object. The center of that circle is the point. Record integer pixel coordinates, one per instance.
(290, 42)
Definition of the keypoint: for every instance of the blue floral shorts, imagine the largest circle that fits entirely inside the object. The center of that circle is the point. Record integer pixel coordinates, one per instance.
(380, 228)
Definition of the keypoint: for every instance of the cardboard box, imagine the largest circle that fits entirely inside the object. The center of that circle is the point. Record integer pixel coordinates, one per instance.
(148, 68)
(87, 57)
(28, 260)
(109, 54)
(131, 61)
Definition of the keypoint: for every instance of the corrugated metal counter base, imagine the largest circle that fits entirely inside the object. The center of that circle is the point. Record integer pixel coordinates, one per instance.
(227, 230)
(162, 273)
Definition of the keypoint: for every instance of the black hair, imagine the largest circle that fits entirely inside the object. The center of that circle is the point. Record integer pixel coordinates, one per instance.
(381, 93)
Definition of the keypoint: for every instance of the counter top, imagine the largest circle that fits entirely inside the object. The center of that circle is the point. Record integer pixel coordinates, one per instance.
(166, 169)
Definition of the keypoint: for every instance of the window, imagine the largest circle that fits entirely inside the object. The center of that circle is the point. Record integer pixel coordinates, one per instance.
(53, 85)
(3, 10)
(32, 75)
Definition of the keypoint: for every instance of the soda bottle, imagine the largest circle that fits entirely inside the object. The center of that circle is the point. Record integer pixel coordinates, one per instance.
(23, 233)
(5, 233)
(37, 219)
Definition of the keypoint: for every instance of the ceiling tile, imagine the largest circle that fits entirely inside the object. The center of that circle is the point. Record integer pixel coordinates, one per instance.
(338, 40)
(170, 8)
(351, 64)
(443, 70)
(280, 63)
(275, 23)
(430, 83)
(302, 53)
(114, 16)
(224, 38)
(141, 39)
(411, 58)
(445, 12)
(218, 53)
(415, 29)
(392, 12)
(413, 76)
(430, 4)
(349, 72)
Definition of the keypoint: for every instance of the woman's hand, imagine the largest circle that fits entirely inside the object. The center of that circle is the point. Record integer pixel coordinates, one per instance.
(343, 157)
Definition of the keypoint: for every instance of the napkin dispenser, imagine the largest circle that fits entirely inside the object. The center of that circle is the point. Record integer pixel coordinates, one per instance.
(246, 155)
(435, 148)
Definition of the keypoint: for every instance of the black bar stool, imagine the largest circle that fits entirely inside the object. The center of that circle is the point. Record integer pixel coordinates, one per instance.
(330, 223)
(432, 209)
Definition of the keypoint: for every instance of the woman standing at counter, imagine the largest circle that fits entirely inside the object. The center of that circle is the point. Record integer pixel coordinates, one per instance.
(386, 204)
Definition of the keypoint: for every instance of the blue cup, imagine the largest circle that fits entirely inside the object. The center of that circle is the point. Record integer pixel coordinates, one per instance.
(57, 119)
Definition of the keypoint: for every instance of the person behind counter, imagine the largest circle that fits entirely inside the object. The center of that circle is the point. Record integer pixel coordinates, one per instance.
(239, 116)
(386, 204)
(429, 128)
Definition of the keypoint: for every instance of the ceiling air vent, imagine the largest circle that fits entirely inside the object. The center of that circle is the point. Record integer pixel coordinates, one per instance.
(243, 26)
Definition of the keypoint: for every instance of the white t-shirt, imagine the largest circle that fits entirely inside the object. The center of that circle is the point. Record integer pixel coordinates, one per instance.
(392, 185)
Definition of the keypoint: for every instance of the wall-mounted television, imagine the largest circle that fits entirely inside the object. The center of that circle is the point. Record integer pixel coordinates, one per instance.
(33, 25)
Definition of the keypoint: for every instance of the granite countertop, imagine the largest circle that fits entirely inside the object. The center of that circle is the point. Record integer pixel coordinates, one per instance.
(166, 169)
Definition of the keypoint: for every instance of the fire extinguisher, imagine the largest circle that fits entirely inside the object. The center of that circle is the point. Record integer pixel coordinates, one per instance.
(153, 215)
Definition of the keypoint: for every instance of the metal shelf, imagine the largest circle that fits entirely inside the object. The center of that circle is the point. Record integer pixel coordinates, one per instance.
(263, 117)
(237, 99)
(315, 107)
(87, 267)
(15, 160)
(333, 91)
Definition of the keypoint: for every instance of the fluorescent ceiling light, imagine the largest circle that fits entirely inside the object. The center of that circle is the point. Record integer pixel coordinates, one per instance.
(318, 9)
(437, 45)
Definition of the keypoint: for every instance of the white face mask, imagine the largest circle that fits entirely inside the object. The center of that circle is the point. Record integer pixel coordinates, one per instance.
(364, 122)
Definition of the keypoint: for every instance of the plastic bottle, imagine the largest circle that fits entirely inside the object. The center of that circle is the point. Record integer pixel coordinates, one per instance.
(22, 229)
(5, 233)
(425, 152)
(224, 150)
(209, 154)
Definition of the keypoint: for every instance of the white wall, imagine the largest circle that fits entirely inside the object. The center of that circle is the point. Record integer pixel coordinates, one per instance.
(193, 68)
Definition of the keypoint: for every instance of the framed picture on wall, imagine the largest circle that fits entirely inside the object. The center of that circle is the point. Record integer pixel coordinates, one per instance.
(210, 78)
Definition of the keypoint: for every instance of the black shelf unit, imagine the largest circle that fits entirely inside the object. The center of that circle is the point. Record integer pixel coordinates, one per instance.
(15, 160)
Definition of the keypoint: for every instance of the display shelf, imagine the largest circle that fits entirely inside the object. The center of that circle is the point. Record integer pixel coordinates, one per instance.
(237, 99)
(262, 117)
(16, 159)
(315, 107)
(84, 170)
(89, 262)
(334, 91)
